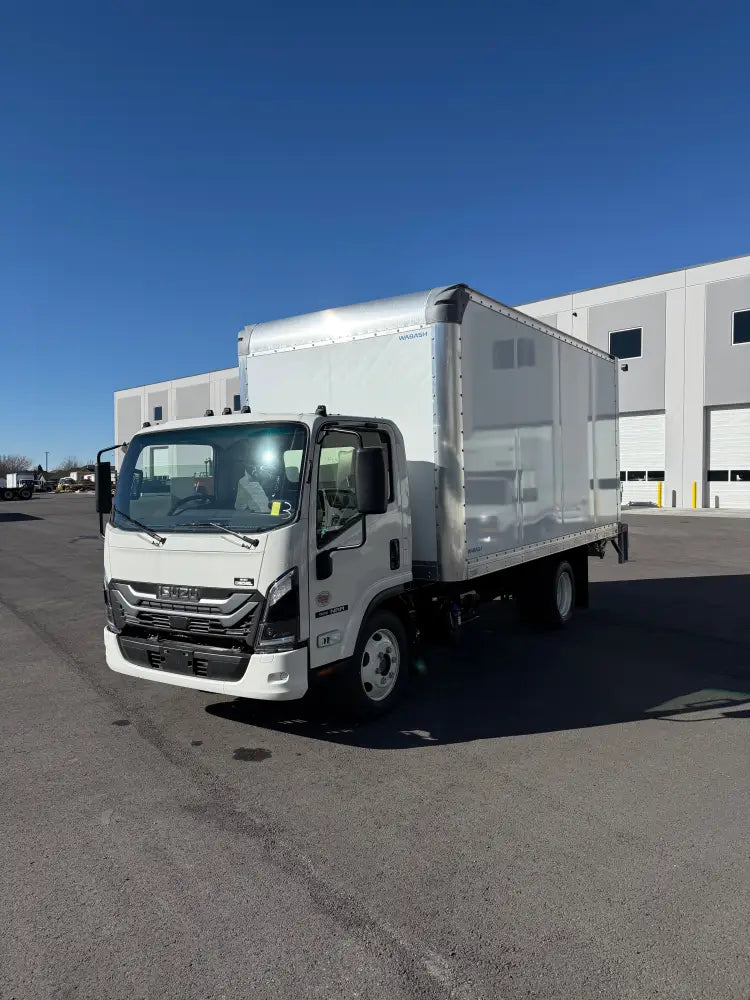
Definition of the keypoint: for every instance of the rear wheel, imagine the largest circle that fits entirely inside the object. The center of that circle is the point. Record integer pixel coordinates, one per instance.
(548, 594)
(7, 494)
(25, 494)
(375, 678)
(564, 592)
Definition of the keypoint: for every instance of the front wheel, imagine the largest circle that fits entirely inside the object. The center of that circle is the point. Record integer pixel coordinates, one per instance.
(375, 679)
(25, 494)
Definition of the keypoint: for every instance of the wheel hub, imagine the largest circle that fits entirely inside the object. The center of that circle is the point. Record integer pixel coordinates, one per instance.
(385, 665)
(380, 665)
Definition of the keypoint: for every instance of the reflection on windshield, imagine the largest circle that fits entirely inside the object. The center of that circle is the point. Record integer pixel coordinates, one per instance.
(242, 478)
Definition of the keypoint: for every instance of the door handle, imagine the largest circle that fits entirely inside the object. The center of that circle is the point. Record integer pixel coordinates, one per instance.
(395, 553)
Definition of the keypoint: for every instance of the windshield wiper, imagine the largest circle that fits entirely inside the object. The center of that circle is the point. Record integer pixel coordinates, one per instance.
(230, 531)
(246, 542)
(156, 539)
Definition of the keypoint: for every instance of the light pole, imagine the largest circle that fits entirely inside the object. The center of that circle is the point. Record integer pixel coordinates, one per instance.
(46, 462)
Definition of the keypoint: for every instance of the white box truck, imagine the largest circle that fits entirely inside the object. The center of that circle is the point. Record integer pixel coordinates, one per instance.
(394, 464)
(17, 486)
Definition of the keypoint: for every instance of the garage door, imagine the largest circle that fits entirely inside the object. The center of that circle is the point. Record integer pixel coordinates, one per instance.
(642, 456)
(729, 457)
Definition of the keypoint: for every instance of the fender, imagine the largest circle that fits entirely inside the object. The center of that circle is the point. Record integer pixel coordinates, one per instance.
(398, 594)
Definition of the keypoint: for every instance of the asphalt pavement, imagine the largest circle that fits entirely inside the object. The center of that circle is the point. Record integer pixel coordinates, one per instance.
(547, 815)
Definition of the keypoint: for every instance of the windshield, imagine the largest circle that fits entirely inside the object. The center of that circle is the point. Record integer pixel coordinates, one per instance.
(244, 477)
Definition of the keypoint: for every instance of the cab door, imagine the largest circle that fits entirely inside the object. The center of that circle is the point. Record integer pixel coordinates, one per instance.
(352, 558)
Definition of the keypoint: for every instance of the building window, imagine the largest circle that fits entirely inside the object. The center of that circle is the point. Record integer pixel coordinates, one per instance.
(526, 352)
(157, 413)
(656, 475)
(626, 343)
(504, 354)
(638, 476)
(236, 404)
(739, 476)
(741, 326)
(718, 475)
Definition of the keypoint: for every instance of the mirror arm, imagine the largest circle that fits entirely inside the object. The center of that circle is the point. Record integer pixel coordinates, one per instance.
(104, 451)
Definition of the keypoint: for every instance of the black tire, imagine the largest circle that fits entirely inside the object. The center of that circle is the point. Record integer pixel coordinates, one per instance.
(25, 494)
(355, 694)
(547, 596)
(7, 494)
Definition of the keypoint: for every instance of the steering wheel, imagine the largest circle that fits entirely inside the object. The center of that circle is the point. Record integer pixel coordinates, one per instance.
(181, 502)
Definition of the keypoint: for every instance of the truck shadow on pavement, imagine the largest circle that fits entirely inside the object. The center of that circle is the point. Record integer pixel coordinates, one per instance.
(667, 649)
(16, 515)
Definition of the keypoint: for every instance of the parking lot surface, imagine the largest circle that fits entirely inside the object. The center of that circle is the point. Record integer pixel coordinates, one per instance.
(547, 815)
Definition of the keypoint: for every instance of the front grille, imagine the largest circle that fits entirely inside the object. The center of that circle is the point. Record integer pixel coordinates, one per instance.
(184, 608)
(203, 625)
(228, 617)
(157, 621)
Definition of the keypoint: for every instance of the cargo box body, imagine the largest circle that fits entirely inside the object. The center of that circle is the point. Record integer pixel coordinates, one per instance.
(17, 480)
(510, 427)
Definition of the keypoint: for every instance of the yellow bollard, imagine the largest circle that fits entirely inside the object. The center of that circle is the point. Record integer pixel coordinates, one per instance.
(695, 495)
(659, 488)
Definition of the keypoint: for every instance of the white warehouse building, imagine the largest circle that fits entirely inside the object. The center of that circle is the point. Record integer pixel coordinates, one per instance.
(176, 399)
(683, 339)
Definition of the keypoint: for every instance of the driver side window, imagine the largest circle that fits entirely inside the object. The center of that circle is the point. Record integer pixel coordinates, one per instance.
(336, 507)
(170, 473)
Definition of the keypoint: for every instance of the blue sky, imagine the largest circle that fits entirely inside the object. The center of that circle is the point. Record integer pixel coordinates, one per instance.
(173, 171)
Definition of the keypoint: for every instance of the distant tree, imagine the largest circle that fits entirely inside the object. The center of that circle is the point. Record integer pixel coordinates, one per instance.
(71, 462)
(14, 463)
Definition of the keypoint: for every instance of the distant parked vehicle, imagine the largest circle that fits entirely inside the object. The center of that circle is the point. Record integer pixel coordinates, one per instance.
(70, 485)
(14, 486)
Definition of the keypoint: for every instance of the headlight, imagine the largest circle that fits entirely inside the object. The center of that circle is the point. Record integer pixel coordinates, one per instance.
(279, 627)
(111, 621)
(115, 616)
(107, 604)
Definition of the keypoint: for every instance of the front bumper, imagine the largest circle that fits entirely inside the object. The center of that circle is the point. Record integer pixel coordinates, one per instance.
(269, 676)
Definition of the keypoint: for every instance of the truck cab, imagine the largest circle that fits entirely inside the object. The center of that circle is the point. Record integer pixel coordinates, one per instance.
(246, 553)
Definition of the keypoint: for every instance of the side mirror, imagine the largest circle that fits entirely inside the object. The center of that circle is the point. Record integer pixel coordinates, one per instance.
(370, 480)
(103, 487)
(136, 484)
